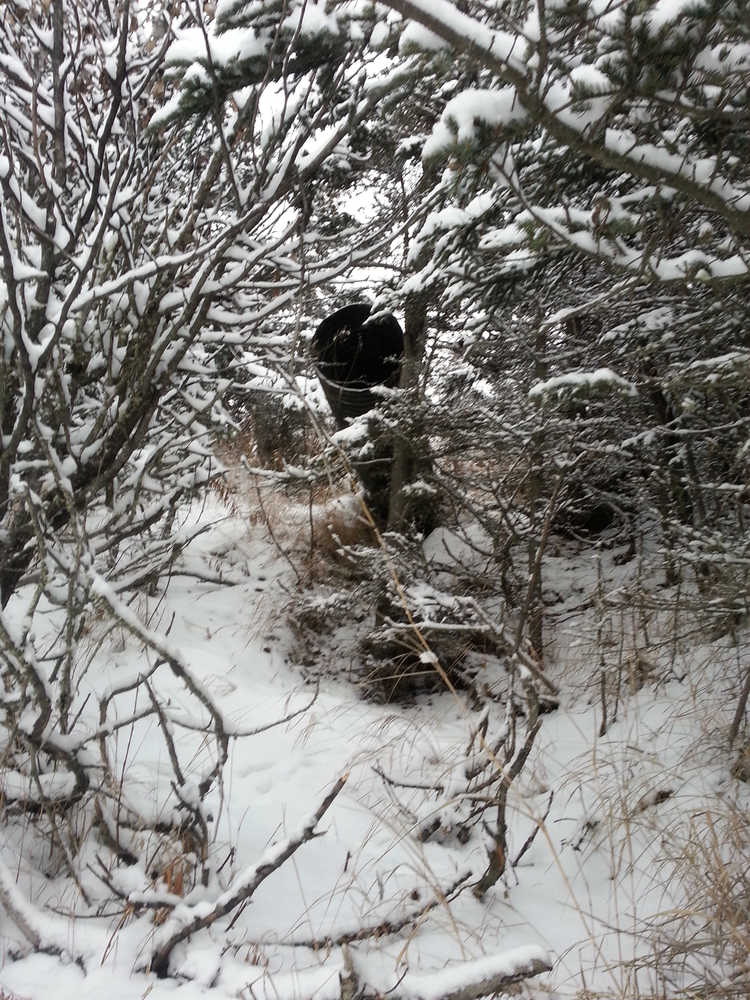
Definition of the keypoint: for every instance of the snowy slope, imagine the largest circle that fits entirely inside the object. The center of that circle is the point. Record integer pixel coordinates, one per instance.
(626, 810)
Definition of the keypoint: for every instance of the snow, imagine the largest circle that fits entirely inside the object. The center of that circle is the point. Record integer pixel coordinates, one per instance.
(590, 78)
(598, 379)
(380, 35)
(50, 786)
(577, 898)
(664, 12)
(15, 67)
(311, 19)
(511, 235)
(724, 58)
(416, 36)
(503, 45)
(494, 108)
(233, 44)
(433, 986)
(703, 172)
(607, 811)
(355, 433)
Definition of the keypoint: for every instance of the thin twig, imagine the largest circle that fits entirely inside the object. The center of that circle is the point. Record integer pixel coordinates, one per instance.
(385, 927)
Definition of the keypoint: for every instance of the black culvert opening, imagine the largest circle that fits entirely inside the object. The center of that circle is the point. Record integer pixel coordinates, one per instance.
(352, 356)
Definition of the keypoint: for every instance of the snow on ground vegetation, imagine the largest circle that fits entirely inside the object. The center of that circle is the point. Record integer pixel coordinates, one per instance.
(628, 834)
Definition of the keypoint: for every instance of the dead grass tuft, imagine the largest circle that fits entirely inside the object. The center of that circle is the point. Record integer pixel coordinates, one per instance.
(338, 526)
(704, 945)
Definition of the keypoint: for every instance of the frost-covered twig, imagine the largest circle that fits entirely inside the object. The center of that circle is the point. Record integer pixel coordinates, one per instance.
(174, 658)
(385, 926)
(38, 928)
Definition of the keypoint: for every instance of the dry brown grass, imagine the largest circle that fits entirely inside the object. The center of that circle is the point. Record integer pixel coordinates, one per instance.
(315, 527)
(339, 524)
(705, 944)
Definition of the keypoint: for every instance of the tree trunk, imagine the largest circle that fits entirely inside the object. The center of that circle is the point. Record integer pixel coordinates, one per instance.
(411, 459)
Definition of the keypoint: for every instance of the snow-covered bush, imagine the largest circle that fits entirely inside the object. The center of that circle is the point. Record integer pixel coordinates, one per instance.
(583, 236)
(141, 262)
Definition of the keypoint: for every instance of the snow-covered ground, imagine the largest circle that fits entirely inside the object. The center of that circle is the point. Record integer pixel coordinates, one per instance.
(633, 825)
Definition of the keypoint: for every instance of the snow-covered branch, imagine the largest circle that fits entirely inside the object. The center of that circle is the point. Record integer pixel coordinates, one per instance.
(562, 107)
(187, 920)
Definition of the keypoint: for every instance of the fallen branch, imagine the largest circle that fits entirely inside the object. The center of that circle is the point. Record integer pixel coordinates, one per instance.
(17, 908)
(479, 978)
(194, 918)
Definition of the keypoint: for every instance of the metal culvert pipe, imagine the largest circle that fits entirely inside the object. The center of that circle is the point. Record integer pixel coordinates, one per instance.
(352, 356)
